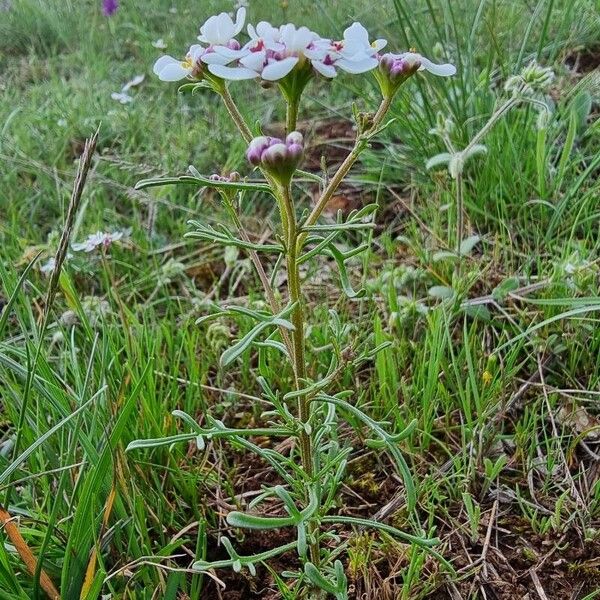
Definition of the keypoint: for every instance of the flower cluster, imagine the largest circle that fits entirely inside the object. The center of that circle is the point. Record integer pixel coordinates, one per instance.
(273, 53)
(531, 81)
(280, 157)
(100, 240)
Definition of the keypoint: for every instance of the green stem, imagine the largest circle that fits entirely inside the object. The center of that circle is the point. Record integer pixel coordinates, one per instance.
(299, 359)
(291, 116)
(235, 113)
(344, 168)
(460, 215)
(273, 302)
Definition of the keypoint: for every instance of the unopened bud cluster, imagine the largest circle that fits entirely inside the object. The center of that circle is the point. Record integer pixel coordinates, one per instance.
(532, 80)
(231, 178)
(278, 157)
(398, 66)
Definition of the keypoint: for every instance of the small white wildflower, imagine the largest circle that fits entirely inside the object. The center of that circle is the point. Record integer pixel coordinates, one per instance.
(159, 44)
(133, 82)
(121, 97)
(99, 240)
(48, 266)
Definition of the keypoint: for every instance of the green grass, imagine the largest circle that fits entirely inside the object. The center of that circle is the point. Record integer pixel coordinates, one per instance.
(505, 389)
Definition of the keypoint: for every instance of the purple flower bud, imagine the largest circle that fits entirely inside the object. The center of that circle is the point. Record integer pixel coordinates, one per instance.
(233, 45)
(295, 137)
(109, 7)
(295, 152)
(275, 156)
(234, 176)
(254, 156)
(386, 62)
(261, 142)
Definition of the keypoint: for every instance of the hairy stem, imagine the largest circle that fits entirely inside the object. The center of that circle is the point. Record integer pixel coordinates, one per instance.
(235, 113)
(255, 258)
(299, 359)
(291, 116)
(344, 168)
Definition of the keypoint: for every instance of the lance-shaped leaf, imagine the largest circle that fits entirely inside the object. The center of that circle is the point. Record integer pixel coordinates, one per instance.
(248, 521)
(337, 585)
(223, 236)
(422, 542)
(242, 345)
(355, 220)
(237, 562)
(341, 258)
(386, 440)
(204, 182)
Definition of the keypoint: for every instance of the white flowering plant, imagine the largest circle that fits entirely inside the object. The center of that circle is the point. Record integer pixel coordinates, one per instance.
(309, 413)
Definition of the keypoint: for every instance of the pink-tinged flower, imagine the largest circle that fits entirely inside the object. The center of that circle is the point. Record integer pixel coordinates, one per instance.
(407, 63)
(109, 7)
(395, 69)
(279, 157)
(172, 69)
(193, 66)
(354, 54)
(218, 30)
(272, 53)
(99, 240)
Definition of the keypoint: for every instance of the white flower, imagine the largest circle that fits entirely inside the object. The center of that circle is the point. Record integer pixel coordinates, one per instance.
(135, 81)
(354, 54)
(159, 44)
(218, 30)
(274, 52)
(271, 53)
(48, 266)
(171, 69)
(99, 240)
(398, 66)
(121, 97)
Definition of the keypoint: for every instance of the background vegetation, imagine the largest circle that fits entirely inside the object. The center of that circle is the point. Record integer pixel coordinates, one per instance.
(500, 365)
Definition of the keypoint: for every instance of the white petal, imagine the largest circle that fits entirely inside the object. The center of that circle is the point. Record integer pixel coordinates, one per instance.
(357, 66)
(358, 34)
(207, 30)
(318, 54)
(252, 31)
(232, 73)
(224, 29)
(379, 44)
(254, 60)
(279, 69)
(239, 20)
(170, 69)
(446, 70)
(196, 51)
(266, 31)
(230, 53)
(326, 70)
(215, 58)
(162, 62)
(174, 72)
